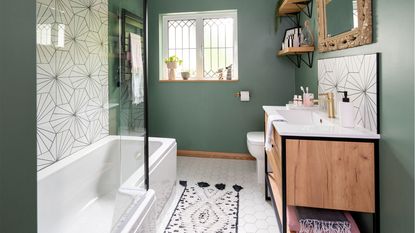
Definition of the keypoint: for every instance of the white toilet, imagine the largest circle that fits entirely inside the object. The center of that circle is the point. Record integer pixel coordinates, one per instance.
(255, 142)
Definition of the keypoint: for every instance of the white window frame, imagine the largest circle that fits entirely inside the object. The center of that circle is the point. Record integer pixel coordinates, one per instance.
(198, 16)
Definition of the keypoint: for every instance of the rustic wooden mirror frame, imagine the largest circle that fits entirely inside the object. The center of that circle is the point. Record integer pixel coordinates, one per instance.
(358, 36)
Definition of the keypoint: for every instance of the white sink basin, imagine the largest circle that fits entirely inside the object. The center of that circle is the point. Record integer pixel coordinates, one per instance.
(302, 117)
(312, 123)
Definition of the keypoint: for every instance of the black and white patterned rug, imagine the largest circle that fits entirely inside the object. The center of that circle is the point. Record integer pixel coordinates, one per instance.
(206, 208)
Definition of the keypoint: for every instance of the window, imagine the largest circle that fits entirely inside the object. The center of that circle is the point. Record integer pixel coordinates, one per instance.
(205, 42)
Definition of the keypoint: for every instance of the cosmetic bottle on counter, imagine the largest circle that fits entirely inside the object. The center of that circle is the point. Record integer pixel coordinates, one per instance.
(300, 100)
(346, 111)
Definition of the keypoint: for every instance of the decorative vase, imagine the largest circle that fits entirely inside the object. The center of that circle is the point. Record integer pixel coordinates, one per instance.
(172, 66)
(307, 36)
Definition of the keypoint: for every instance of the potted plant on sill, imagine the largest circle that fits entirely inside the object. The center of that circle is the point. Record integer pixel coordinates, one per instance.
(172, 63)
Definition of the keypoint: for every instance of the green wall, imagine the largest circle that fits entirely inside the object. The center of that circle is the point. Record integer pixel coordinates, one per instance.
(206, 116)
(18, 116)
(396, 107)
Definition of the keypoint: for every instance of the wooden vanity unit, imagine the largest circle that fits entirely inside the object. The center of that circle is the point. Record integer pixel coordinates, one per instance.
(322, 172)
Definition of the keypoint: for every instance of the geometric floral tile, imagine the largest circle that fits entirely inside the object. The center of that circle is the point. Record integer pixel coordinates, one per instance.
(358, 76)
(53, 77)
(97, 43)
(87, 77)
(45, 137)
(62, 145)
(45, 159)
(72, 116)
(72, 77)
(62, 11)
(103, 74)
(75, 39)
(44, 19)
(90, 10)
(97, 110)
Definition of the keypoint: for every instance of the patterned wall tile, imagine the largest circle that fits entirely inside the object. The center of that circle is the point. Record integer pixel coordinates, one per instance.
(53, 77)
(91, 10)
(75, 39)
(72, 77)
(62, 10)
(358, 76)
(44, 20)
(45, 132)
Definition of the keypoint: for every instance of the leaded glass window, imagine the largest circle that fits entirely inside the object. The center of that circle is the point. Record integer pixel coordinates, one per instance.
(206, 42)
(217, 46)
(182, 43)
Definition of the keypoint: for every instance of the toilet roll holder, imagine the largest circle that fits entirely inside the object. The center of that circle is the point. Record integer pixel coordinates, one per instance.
(238, 94)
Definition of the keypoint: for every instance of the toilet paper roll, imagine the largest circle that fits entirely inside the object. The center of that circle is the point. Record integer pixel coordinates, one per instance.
(245, 96)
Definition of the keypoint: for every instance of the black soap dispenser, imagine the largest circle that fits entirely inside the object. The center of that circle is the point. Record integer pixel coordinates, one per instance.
(346, 111)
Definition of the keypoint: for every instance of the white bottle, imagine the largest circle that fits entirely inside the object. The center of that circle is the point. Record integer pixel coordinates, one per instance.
(300, 100)
(296, 39)
(295, 100)
(346, 112)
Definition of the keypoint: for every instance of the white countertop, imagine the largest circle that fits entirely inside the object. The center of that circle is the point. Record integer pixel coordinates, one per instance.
(331, 127)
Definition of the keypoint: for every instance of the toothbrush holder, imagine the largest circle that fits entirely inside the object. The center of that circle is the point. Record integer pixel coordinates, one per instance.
(308, 99)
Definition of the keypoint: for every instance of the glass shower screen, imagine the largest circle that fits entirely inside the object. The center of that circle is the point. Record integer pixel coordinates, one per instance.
(92, 143)
(128, 93)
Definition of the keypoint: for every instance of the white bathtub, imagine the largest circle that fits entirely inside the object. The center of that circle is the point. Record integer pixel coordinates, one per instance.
(100, 189)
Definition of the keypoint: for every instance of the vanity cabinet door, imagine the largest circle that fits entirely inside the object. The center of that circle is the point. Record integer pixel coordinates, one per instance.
(331, 175)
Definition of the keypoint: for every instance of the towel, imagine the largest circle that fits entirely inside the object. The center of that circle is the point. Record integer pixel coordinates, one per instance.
(322, 221)
(294, 224)
(137, 70)
(271, 118)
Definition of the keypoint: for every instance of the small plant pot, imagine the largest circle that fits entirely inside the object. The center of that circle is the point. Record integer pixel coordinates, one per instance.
(185, 75)
(172, 65)
(172, 74)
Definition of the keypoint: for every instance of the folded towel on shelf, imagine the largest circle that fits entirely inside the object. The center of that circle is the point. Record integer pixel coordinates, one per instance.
(137, 69)
(309, 220)
(271, 118)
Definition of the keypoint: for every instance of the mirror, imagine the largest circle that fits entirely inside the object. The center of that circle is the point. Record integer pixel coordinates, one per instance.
(341, 16)
(344, 24)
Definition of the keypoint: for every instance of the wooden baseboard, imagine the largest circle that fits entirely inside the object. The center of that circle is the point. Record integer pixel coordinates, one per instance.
(215, 155)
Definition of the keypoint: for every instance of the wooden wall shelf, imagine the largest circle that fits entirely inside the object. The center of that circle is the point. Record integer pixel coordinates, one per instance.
(296, 50)
(292, 10)
(290, 7)
(297, 53)
(197, 81)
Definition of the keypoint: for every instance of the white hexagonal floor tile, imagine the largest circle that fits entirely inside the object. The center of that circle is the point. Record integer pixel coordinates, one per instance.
(255, 214)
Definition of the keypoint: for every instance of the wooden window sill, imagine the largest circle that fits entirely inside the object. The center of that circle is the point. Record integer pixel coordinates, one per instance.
(197, 81)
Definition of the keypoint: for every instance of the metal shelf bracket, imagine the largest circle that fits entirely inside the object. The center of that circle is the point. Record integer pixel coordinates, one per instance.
(296, 59)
